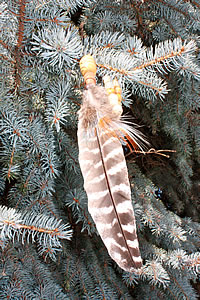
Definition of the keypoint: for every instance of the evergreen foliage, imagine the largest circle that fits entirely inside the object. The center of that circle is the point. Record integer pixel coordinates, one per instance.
(152, 47)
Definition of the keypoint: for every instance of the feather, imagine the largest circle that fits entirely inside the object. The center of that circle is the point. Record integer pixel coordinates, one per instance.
(100, 133)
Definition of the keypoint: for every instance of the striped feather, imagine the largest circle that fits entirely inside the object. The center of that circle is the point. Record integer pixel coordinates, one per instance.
(106, 180)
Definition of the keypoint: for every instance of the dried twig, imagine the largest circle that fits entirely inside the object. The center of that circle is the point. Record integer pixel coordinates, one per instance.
(153, 151)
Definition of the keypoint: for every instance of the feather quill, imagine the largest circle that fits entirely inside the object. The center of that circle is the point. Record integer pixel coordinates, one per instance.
(103, 165)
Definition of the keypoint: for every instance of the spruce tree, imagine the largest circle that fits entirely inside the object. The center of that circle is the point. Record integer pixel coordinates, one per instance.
(49, 245)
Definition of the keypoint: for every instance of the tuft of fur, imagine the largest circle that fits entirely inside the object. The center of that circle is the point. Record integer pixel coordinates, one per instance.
(96, 112)
(95, 106)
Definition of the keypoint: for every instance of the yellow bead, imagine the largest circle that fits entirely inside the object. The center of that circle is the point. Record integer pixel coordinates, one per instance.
(110, 91)
(117, 87)
(118, 90)
(87, 64)
(119, 98)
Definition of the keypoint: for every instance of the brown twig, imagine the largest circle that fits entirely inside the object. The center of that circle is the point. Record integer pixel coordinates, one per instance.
(153, 151)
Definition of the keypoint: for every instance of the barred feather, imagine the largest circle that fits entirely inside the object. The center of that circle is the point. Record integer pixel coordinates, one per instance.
(105, 175)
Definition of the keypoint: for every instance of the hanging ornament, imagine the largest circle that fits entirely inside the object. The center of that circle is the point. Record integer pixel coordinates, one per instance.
(101, 133)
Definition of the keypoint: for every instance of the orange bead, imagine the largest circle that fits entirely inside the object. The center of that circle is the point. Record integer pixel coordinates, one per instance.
(87, 64)
(89, 78)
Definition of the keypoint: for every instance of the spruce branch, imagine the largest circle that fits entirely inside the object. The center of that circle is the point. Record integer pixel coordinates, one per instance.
(57, 104)
(139, 64)
(76, 199)
(155, 273)
(173, 55)
(57, 46)
(23, 226)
